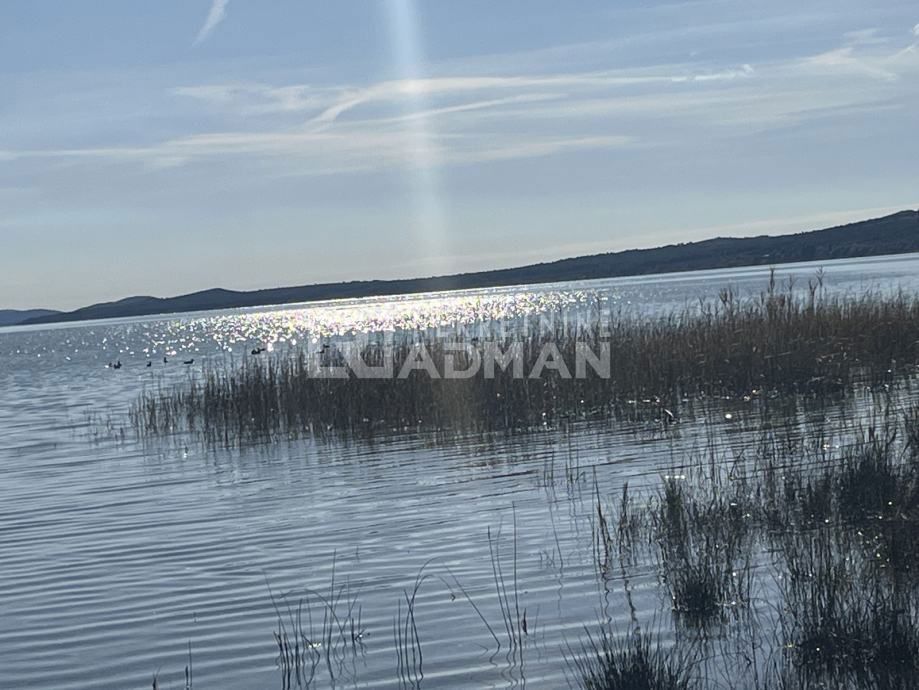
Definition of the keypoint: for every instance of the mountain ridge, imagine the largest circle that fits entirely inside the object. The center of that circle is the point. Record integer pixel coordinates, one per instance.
(15, 317)
(897, 233)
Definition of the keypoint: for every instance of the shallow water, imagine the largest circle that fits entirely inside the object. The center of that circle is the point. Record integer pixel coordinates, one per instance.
(116, 554)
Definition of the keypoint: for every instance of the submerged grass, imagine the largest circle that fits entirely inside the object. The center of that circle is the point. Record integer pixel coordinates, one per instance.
(704, 548)
(840, 531)
(632, 662)
(322, 628)
(844, 625)
(780, 342)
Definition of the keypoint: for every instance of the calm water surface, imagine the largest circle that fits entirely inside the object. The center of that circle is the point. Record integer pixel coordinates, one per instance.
(116, 554)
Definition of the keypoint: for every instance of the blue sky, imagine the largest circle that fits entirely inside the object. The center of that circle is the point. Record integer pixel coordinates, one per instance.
(163, 147)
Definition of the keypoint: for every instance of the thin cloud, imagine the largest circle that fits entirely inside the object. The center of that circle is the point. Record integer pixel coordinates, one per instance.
(846, 59)
(216, 15)
(916, 31)
(328, 129)
(441, 87)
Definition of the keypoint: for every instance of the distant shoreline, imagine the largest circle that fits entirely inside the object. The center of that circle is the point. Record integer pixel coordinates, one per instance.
(890, 235)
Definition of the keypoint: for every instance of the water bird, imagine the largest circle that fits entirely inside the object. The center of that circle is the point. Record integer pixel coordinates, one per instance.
(258, 350)
(165, 361)
(189, 361)
(149, 364)
(117, 365)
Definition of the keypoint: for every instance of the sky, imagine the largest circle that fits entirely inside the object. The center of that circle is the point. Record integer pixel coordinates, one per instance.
(157, 148)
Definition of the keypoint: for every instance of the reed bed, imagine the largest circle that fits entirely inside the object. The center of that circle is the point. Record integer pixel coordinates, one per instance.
(832, 536)
(633, 662)
(845, 625)
(783, 342)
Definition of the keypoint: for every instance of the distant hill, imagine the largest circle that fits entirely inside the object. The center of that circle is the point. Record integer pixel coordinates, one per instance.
(894, 234)
(14, 317)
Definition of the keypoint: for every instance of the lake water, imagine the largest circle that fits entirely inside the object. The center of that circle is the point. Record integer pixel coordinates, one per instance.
(117, 554)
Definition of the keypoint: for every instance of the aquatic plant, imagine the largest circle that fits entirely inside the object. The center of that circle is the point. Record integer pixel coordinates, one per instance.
(704, 539)
(778, 343)
(844, 625)
(333, 636)
(839, 529)
(631, 662)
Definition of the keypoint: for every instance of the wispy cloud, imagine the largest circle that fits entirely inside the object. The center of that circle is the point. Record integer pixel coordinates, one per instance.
(255, 98)
(845, 59)
(305, 129)
(216, 15)
(328, 105)
(916, 31)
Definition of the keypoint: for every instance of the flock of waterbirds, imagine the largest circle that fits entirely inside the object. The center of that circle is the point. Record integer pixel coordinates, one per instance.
(255, 351)
(118, 365)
